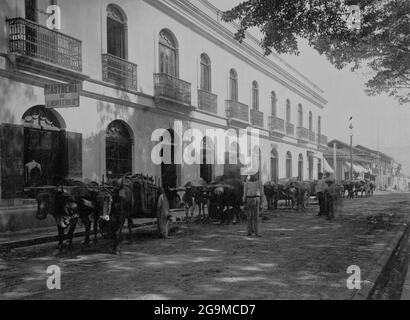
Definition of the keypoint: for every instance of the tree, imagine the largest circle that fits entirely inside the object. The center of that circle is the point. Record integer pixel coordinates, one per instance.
(382, 42)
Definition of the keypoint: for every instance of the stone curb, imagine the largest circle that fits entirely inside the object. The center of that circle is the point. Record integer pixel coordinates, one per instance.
(370, 281)
(4, 247)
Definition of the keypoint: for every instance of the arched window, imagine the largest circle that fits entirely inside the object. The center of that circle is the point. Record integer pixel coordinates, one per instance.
(274, 166)
(43, 154)
(256, 160)
(116, 32)
(310, 159)
(310, 121)
(170, 169)
(274, 104)
(39, 117)
(118, 149)
(319, 125)
(319, 167)
(300, 116)
(168, 54)
(288, 165)
(300, 168)
(233, 85)
(255, 96)
(205, 73)
(208, 160)
(233, 161)
(288, 112)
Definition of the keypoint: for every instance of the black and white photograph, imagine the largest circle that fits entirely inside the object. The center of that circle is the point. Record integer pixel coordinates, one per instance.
(221, 152)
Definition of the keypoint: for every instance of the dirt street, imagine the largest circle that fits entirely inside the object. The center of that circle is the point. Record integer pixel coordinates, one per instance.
(300, 256)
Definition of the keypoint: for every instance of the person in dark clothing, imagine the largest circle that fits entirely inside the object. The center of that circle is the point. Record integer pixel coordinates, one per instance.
(320, 192)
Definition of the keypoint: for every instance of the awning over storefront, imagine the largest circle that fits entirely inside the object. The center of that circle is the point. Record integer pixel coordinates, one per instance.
(356, 168)
(327, 167)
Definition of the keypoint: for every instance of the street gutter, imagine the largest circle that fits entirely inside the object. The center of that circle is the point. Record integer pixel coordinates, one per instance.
(370, 281)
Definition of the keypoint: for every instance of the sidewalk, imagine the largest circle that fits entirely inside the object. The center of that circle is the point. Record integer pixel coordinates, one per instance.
(406, 288)
(30, 237)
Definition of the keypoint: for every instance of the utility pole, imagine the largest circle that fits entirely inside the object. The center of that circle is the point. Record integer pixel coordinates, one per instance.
(335, 161)
(351, 151)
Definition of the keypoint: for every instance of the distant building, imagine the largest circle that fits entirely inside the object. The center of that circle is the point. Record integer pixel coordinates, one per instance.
(361, 165)
(368, 164)
(382, 168)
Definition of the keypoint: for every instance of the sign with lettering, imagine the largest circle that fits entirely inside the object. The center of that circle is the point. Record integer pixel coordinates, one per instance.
(62, 95)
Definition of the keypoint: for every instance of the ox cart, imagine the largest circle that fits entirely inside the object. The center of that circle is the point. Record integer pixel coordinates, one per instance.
(107, 206)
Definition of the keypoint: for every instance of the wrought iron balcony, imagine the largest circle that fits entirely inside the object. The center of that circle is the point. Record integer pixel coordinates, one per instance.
(276, 125)
(36, 41)
(290, 129)
(236, 110)
(207, 101)
(322, 140)
(119, 71)
(257, 118)
(302, 134)
(171, 88)
(312, 136)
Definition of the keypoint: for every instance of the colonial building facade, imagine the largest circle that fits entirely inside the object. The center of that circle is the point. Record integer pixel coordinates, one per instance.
(143, 65)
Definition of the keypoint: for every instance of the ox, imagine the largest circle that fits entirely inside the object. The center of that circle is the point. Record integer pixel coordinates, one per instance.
(226, 194)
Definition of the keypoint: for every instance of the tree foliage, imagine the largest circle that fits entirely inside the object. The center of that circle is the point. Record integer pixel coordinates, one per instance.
(382, 42)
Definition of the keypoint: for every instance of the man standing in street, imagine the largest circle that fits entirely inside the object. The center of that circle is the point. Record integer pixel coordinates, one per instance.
(253, 193)
(163, 214)
(320, 192)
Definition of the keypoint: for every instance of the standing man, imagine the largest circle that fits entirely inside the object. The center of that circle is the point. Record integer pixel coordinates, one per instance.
(320, 192)
(163, 214)
(253, 192)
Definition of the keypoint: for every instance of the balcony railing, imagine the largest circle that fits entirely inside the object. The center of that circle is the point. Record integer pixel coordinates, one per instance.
(312, 136)
(257, 118)
(322, 139)
(302, 133)
(169, 87)
(33, 40)
(276, 124)
(207, 101)
(237, 110)
(290, 129)
(119, 71)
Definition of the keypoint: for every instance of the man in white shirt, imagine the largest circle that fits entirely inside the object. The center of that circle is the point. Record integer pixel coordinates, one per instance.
(253, 193)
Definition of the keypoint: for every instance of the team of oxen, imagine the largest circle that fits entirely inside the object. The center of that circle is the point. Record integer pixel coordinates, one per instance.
(107, 207)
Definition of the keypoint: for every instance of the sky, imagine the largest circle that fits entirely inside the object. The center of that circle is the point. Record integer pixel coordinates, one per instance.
(378, 121)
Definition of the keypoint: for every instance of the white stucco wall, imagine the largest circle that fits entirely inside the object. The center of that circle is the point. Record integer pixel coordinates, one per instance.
(86, 20)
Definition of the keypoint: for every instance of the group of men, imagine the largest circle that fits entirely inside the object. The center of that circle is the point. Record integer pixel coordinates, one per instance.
(253, 195)
(254, 192)
(321, 191)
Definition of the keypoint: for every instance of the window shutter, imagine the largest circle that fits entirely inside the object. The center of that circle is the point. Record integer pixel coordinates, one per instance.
(74, 155)
(12, 158)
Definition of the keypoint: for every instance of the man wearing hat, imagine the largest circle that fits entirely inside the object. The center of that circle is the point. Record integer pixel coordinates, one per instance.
(253, 193)
(320, 192)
